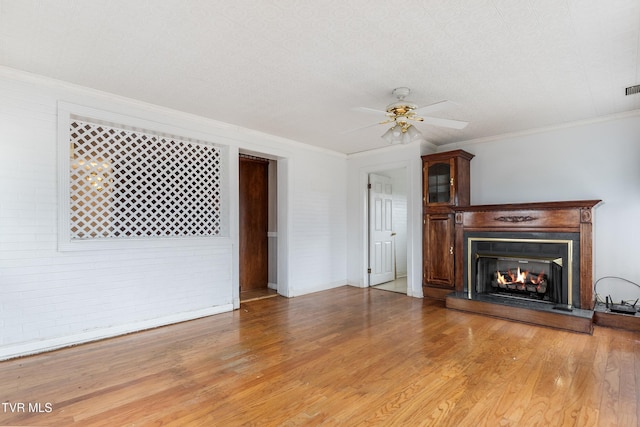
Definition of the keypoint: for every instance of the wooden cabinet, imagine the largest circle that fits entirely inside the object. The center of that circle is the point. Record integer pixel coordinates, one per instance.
(446, 179)
(438, 249)
(446, 185)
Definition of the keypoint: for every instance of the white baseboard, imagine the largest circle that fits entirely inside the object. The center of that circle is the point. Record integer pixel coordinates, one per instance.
(356, 285)
(318, 288)
(24, 349)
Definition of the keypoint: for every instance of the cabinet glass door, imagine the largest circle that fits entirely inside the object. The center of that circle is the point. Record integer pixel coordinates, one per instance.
(439, 183)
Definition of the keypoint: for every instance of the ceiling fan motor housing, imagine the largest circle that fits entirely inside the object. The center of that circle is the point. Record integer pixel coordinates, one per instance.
(401, 108)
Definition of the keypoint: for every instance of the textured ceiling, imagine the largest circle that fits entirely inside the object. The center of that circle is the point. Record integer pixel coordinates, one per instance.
(298, 69)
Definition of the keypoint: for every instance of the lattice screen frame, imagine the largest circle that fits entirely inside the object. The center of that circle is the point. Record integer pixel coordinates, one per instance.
(123, 180)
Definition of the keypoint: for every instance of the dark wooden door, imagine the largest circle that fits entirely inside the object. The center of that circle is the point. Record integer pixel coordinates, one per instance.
(254, 199)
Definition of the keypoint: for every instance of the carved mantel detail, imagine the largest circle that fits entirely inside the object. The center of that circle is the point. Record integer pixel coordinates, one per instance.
(516, 218)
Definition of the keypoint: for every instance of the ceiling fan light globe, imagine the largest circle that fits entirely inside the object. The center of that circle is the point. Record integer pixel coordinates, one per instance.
(388, 136)
(412, 134)
(393, 135)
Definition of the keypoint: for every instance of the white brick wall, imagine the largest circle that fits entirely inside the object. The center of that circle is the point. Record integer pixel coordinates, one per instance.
(50, 298)
(48, 294)
(319, 224)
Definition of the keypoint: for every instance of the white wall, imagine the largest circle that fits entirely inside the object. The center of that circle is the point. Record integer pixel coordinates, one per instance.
(598, 160)
(50, 298)
(318, 244)
(406, 157)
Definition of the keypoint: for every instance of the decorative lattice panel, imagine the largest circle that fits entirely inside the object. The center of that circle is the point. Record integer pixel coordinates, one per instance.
(130, 184)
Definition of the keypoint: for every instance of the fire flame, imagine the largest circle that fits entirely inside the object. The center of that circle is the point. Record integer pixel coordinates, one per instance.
(519, 277)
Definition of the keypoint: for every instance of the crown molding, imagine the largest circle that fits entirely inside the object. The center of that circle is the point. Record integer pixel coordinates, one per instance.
(535, 131)
(239, 134)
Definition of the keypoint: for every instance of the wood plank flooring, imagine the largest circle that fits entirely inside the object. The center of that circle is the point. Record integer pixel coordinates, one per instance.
(255, 294)
(347, 356)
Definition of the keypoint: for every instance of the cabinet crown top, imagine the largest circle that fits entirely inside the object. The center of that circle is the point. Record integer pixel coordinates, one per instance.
(447, 155)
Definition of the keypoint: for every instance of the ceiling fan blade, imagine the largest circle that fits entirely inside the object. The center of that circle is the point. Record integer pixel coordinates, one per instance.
(448, 123)
(369, 110)
(436, 106)
(365, 127)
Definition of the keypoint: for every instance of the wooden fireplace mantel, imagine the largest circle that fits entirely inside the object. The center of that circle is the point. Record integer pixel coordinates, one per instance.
(559, 217)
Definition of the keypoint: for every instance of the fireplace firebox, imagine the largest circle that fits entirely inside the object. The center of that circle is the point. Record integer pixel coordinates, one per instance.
(529, 267)
(519, 277)
(527, 262)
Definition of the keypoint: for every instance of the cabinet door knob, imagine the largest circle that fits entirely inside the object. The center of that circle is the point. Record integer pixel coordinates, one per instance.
(451, 250)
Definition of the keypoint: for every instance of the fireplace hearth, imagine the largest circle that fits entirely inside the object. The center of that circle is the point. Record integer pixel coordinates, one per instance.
(527, 262)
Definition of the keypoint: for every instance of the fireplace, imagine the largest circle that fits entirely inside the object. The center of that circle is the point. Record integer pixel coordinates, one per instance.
(535, 268)
(526, 262)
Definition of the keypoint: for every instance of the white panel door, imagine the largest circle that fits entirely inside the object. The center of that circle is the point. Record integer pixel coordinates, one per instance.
(381, 245)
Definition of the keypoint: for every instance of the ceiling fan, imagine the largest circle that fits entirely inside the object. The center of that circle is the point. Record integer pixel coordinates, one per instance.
(402, 112)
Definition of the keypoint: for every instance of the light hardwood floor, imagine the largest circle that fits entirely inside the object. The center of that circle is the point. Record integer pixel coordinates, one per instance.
(397, 285)
(347, 356)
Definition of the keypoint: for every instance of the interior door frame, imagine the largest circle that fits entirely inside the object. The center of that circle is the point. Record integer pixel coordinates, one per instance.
(283, 212)
(364, 182)
(256, 206)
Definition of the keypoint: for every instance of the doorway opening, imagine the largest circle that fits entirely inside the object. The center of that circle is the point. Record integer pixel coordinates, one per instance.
(387, 230)
(257, 227)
